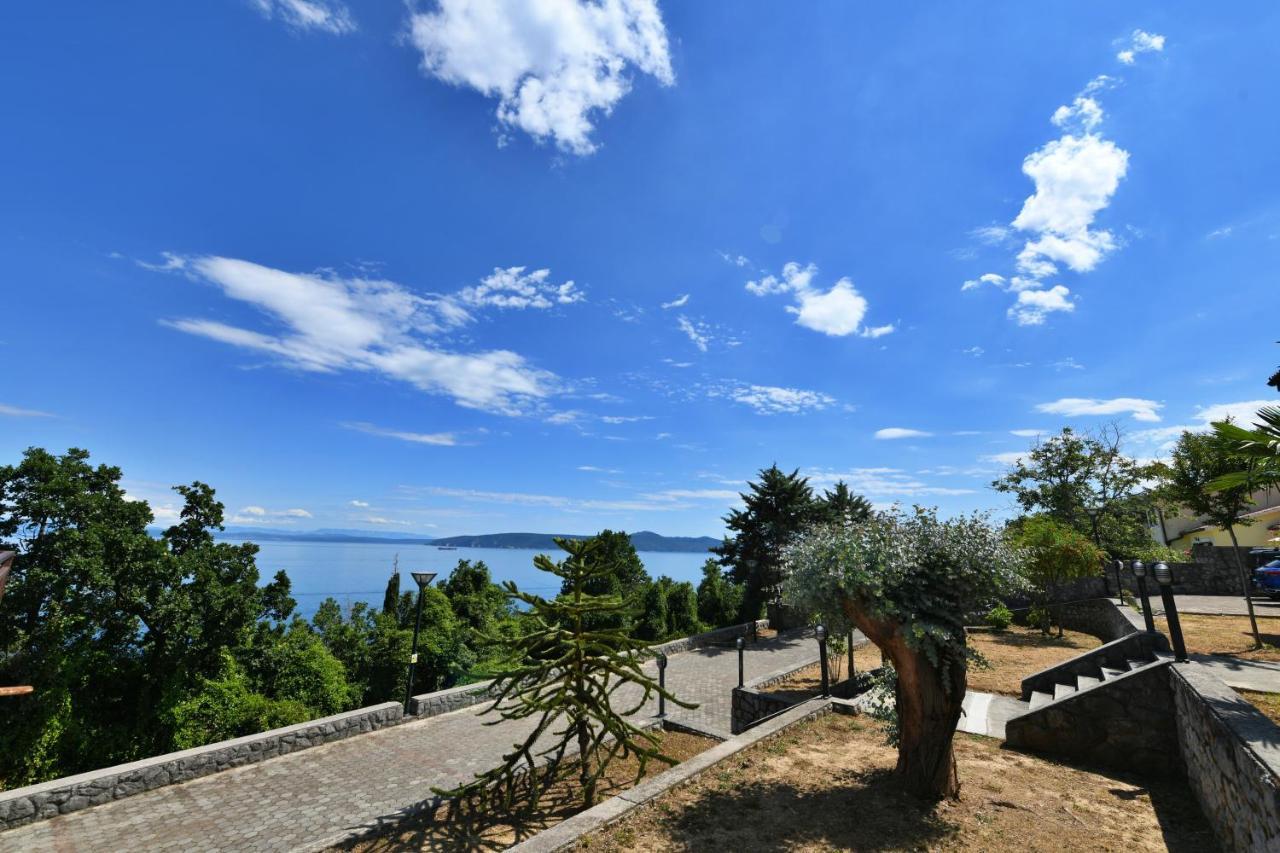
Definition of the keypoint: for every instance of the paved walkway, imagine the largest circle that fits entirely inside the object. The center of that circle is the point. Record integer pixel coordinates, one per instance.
(312, 798)
(1260, 675)
(1215, 605)
(986, 713)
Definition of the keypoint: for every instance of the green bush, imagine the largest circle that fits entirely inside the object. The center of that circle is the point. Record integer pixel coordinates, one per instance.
(999, 617)
(1041, 618)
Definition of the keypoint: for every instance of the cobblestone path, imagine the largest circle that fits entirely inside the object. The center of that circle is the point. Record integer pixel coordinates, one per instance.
(311, 798)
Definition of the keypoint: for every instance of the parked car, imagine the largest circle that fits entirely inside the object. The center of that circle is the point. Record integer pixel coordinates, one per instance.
(1266, 580)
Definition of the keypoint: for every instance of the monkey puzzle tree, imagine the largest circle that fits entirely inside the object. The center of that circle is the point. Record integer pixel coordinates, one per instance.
(908, 582)
(567, 680)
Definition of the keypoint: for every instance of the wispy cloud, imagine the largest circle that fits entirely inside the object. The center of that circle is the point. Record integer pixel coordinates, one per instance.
(698, 333)
(891, 433)
(678, 302)
(774, 400)
(1140, 42)
(1141, 410)
(326, 16)
(560, 502)
(359, 504)
(330, 323)
(254, 514)
(554, 67)
(838, 311)
(881, 483)
(16, 412)
(439, 439)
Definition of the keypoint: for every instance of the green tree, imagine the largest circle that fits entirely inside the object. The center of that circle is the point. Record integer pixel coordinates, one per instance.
(719, 599)
(908, 582)
(1088, 483)
(778, 507)
(682, 610)
(477, 601)
(391, 597)
(841, 506)
(1196, 463)
(566, 682)
(654, 619)
(1055, 554)
(227, 707)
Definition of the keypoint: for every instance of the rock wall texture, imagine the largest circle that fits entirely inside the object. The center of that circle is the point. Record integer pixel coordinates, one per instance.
(60, 796)
(1231, 753)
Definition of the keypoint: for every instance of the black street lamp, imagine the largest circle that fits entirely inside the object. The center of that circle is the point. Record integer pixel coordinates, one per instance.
(850, 642)
(1119, 566)
(741, 644)
(662, 684)
(821, 633)
(1164, 577)
(424, 580)
(1140, 572)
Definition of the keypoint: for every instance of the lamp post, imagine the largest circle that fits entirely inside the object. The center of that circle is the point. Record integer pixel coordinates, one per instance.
(423, 579)
(850, 647)
(1140, 572)
(1164, 577)
(741, 644)
(1119, 565)
(662, 684)
(821, 633)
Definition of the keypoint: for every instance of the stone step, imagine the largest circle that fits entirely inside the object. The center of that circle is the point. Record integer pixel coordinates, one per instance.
(1039, 697)
(1134, 663)
(1109, 673)
(1060, 690)
(1083, 681)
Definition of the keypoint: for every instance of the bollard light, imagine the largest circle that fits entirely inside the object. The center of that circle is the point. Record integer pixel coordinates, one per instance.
(742, 643)
(424, 580)
(821, 633)
(1118, 565)
(1140, 572)
(662, 684)
(1164, 577)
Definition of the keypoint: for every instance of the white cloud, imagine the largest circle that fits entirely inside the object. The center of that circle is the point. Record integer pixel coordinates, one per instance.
(1161, 440)
(698, 333)
(1141, 410)
(553, 501)
(695, 495)
(254, 514)
(1012, 457)
(439, 439)
(15, 412)
(332, 324)
(1243, 413)
(772, 400)
(890, 433)
(992, 235)
(625, 419)
(881, 482)
(327, 16)
(553, 65)
(678, 302)
(838, 311)
(1033, 306)
(595, 470)
(1140, 42)
(359, 504)
(1026, 433)
(736, 260)
(985, 278)
(514, 288)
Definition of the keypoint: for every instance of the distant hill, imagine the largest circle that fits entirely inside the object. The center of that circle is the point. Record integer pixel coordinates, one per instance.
(645, 540)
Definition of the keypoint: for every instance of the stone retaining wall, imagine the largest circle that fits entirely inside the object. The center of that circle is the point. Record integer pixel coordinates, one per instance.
(1232, 757)
(72, 793)
(751, 703)
(1097, 616)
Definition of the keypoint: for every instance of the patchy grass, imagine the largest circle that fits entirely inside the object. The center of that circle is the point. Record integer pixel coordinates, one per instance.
(445, 832)
(829, 785)
(1267, 703)
(1227, 635)
(1018, 652)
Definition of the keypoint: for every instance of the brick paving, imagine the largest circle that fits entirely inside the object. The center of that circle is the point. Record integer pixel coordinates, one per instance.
(311, 798)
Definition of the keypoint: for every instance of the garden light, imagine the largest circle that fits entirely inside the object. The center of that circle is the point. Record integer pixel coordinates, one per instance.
(1140, 572)
(1164, 577)
(821, 633)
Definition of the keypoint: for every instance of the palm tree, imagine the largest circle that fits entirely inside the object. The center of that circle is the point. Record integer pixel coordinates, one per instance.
(1258, 450)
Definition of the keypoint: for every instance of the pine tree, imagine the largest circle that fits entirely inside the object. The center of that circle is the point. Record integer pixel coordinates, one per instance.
(391, 598)
(843, 507)
(566, 679)
(778, 507)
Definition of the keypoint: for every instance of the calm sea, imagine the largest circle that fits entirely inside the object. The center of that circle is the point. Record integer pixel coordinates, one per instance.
(358, 572)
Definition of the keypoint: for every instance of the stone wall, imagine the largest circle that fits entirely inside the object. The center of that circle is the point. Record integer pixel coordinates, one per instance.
(1127, 724)
(1211, 571)
(1232, 757)
(72, 793)
(1097, 616)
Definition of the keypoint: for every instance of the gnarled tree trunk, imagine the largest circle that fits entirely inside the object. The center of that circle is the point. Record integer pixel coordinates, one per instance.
(929, 706)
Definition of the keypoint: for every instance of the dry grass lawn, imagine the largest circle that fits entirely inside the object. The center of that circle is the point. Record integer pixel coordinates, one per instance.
(1013, 654)
(828, 785)
(1267, 703)
(1227, 635)
(444, 832)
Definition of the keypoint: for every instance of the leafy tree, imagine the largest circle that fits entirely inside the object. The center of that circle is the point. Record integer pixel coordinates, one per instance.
(682, 610)
(654, 618)
(227, 707)
(300, 668)
(908, 582)
(1196, 463)
(1069, 474)
(778, 507)
(566, 682)
(719, 599)
(391, 598)
(477, 601)
(1055, 554)
(841, 506)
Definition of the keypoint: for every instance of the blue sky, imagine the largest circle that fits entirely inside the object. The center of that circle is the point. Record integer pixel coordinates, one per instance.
(478, 266)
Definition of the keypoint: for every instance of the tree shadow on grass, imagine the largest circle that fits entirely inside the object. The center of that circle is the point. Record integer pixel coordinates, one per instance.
(853, 810)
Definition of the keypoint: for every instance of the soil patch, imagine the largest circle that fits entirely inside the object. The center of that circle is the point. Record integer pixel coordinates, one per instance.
(1227, 635)
(444, 832)
(807, 682)
(829, 785)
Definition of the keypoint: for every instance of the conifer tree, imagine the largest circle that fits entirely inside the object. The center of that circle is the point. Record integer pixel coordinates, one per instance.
(567, 679)
(391, 598)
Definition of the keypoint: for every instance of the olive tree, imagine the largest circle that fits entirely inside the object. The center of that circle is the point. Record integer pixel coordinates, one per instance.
(908, 581)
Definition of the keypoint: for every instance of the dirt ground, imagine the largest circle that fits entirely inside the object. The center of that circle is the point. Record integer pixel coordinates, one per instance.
(443, 832)
(1227, 635)
(828, 785)
(1013, 654)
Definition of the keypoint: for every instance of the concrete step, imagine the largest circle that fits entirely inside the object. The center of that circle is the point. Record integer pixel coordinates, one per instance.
(1039, 697)
(1083, 681)
(1109, 672)
(1060, 690)
(1134, 663)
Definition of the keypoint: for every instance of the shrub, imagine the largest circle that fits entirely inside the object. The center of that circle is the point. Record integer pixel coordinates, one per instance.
(999, 617)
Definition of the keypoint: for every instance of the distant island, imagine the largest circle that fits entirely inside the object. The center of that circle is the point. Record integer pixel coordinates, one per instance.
(645, 540)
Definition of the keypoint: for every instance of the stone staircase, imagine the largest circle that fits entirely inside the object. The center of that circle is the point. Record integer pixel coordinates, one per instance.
(1053, 686)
